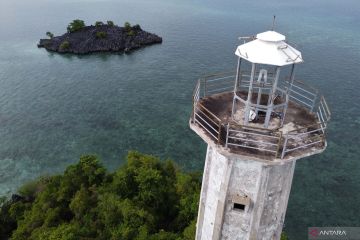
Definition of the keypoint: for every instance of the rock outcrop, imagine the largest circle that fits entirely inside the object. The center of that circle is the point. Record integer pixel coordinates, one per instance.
(103, 38)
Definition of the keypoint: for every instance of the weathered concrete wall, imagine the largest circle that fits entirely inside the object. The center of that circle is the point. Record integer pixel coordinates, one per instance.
(275, 199)
(213, 196)
(244, 180)
(267, 186)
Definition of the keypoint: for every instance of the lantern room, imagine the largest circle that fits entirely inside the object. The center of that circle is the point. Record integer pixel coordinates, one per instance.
(261, 109)
(258, 97)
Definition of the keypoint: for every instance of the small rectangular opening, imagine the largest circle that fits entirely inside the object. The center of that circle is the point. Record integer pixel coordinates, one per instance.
(238, 206)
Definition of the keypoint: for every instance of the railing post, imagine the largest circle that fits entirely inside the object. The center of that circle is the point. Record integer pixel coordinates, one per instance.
(278, 146)
(204, 86)
(219, 134)
(248, 101)
(285, 110)
(237, 76)
(284, 148)
(227, 135)
(233, 107)
(314, 101)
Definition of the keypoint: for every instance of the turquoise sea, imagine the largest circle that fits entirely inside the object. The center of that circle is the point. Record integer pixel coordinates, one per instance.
(54, 108)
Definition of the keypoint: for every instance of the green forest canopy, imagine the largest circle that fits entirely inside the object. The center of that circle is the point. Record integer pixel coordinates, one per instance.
(144, 199)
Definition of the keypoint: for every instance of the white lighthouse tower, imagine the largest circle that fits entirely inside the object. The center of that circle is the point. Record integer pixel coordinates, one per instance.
(257, 122)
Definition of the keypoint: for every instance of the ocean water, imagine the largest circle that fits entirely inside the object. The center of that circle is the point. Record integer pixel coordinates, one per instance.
(54, 108)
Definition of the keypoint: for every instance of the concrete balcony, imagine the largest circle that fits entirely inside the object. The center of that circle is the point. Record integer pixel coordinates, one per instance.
(297, 133)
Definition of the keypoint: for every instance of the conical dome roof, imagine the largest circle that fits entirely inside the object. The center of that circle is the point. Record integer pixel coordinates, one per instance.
(269, 48)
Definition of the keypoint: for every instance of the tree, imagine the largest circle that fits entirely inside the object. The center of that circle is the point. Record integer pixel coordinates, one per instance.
(190, 231)
(101, 35)
(64, 45)
(75, 25)
(7, 221)
(131, 33)
(127, 26)
(131, 30)
(98, 23)
(50, 35)
(110, 23)
(136, 27)
(145, 199)
(284, 236)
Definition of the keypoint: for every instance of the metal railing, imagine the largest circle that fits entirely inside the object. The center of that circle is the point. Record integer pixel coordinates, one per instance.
(302, 94)
(305, 137)
(260, 139)
(218, 83)
(253, 138)
(208, 121)
(244, 80)
(323, 113)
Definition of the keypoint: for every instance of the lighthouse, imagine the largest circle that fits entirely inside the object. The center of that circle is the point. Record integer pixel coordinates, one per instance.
(257, 122)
